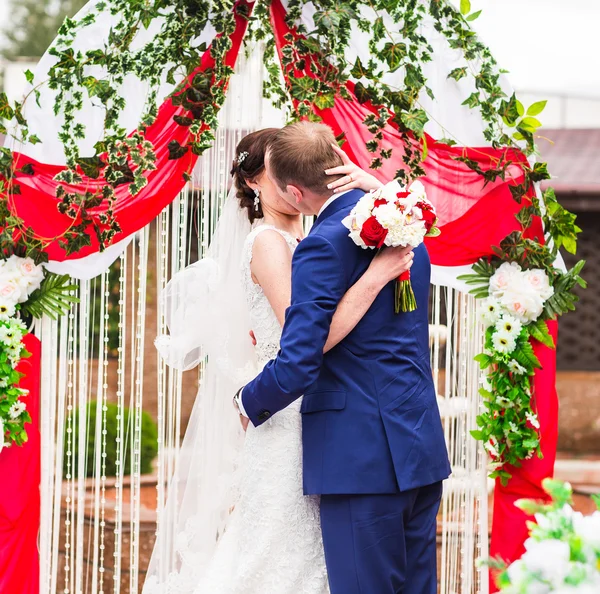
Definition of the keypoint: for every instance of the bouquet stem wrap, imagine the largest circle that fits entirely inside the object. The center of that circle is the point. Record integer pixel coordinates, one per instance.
(405, 297)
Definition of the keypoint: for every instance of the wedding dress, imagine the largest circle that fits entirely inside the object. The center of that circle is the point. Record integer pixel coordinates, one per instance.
(270, 541)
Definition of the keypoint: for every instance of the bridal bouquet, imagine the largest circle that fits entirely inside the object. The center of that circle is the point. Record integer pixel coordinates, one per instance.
(563, 552)
(394, 216)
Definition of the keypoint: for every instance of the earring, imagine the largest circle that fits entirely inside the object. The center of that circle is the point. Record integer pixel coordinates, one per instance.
(256, 198)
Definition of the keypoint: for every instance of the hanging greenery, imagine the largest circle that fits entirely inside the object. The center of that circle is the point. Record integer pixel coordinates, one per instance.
(317, 58)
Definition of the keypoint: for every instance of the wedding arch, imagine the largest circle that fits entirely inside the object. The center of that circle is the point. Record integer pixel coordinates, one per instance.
(114, 169)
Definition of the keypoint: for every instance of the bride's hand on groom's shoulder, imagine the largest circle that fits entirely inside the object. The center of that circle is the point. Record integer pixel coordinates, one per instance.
(389, 264)
(353, 176)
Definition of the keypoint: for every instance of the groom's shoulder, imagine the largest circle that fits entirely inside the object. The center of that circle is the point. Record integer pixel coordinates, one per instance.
(333, 230)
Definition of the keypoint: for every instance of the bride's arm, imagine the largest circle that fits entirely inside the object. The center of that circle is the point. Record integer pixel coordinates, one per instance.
(271, 268)
(387, 265)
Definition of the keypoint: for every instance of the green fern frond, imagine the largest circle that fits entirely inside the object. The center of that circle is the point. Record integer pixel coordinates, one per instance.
(53, 298)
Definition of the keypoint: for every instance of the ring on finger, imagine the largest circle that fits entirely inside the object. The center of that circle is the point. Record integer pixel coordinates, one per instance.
(350, 177)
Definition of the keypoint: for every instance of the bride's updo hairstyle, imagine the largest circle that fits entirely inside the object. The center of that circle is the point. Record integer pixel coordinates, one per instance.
(248, 164)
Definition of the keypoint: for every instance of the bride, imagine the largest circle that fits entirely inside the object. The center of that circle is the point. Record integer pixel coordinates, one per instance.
(236, 520)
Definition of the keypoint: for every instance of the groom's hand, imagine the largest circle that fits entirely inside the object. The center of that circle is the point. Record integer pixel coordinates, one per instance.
(245, 421)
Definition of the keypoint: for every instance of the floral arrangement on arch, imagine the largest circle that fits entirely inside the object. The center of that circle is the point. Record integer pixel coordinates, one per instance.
(562, 553)
(26, 289)
(516, 301)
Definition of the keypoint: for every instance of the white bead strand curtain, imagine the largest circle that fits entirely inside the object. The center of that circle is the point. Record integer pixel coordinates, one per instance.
(456, 337)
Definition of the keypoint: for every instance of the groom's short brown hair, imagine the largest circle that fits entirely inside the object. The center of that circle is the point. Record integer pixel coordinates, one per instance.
(299, 155)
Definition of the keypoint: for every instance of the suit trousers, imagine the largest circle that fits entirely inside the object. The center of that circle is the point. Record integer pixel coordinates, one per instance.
(382, 544)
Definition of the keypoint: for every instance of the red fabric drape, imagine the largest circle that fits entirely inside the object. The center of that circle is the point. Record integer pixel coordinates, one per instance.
(37, 204)
(509, 530)
(20, 493)
(473, 216)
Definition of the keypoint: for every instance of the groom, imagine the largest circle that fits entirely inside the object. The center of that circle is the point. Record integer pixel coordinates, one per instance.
(372, 436)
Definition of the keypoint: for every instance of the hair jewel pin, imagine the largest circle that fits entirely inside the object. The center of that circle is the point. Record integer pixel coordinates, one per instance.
(241, 157)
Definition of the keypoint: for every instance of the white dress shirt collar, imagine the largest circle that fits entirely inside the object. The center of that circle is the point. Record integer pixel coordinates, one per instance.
(330, 200)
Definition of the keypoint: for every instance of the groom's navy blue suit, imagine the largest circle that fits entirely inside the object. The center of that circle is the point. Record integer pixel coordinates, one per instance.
(372, 436)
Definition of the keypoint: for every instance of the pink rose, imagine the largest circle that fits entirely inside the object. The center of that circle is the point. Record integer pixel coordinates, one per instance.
(539, 282)
(526, 306)
(11, 292)
(504, 279)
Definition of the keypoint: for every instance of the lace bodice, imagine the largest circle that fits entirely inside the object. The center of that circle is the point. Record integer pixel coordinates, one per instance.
(265, 325)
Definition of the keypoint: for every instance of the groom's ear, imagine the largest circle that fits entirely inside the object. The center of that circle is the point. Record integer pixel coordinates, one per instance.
(296, 192)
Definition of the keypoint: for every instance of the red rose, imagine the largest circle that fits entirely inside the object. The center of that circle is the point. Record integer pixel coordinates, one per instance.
(430, 218)
(372, 233)
(380, 202)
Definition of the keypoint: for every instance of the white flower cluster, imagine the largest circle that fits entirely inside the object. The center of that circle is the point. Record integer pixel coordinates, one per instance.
(549, 566)
(520, 293)
(516, 298)
(12, 331)
(19, 277)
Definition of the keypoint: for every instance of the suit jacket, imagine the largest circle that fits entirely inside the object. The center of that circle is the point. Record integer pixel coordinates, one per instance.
(370, 418)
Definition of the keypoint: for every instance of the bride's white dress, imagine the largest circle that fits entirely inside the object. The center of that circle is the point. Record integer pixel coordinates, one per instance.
(272, 543)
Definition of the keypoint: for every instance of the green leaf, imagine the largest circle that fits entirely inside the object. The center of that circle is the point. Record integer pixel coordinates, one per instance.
(536, 108)
(52, 298)
(393, 54)
(325, 100)
(361, 93)
(6, 111)
(473, 16)
(97, 88)
(358, 70)
(458, 73)
(424, 154)
(415, 121)
(530, 124)
(176, 151)
(91, 166)
(29, 76)
(465, 6)
(525, 356)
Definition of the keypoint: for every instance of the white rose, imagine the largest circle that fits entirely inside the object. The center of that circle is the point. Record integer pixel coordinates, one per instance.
(588, 529)
(526, 306)
(11, 291)
(1, 434)
(503, 279)
(539, 282)
(548, 558)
